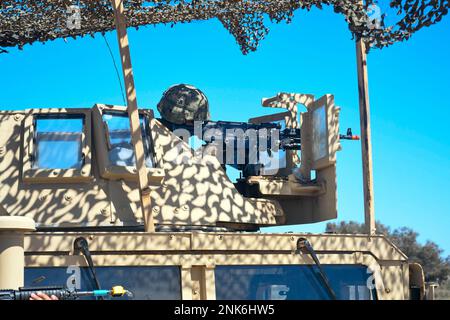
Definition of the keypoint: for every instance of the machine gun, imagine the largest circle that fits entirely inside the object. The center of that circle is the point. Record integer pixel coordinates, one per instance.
(240, 143)
(61, 293)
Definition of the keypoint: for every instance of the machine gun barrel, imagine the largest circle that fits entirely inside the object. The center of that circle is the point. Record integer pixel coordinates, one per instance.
(349, 135)
(61, 293)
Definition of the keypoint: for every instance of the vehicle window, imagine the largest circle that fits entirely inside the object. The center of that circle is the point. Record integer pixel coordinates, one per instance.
(291, 282)
(121, 152)
(146, 283)
(58, 142)
(319, 133)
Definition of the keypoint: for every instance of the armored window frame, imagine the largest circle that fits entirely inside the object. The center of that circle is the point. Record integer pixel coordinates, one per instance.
(56, 175)
(112, 171)
(331, 131)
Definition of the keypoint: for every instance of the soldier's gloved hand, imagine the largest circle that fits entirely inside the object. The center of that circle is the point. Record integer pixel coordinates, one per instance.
(42, 296)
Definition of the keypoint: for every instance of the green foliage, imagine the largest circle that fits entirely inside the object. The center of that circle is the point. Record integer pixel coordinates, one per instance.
(429, 255)
(443, 291)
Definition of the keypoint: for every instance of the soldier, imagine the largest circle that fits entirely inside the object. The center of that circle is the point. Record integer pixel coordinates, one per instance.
(183, 104)
(42, 296)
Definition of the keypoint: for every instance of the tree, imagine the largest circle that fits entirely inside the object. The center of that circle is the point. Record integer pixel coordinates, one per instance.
(429, 255)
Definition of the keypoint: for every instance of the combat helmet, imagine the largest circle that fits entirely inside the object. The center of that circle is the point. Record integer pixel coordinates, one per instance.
(183, 104)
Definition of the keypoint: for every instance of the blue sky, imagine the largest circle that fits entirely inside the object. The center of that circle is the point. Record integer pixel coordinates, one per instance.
(409, 83)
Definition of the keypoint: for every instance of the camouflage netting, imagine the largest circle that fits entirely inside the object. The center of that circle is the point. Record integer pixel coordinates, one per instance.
(26, 21)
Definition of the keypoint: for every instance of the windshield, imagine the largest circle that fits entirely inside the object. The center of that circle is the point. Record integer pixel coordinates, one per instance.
(292, 282)
(145, 282)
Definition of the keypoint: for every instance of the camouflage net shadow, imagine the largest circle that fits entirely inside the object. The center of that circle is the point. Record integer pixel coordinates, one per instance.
(25, 22)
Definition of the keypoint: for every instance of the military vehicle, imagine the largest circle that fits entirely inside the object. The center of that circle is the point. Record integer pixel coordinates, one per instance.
(108, 195)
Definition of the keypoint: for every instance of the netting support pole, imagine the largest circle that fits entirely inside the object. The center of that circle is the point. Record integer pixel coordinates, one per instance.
(366, 143)
(133, 114)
